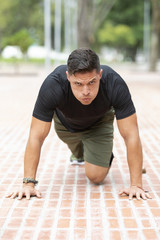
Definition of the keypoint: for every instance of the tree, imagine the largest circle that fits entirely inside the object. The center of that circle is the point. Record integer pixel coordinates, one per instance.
(5, 18)
(21, 38)
(118, 36)
(155, 38)
(91, 14)
(125, 16)
(19, 14)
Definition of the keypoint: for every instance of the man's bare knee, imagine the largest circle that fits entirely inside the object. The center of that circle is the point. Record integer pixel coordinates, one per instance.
(95, 174)
(97, 179)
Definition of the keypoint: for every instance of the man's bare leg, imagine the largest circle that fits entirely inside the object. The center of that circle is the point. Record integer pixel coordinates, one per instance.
(96, 174)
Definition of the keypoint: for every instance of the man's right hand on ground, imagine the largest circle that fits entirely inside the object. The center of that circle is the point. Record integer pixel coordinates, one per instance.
(26, 191)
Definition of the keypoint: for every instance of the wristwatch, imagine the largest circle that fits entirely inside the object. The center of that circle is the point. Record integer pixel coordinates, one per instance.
(30, 180)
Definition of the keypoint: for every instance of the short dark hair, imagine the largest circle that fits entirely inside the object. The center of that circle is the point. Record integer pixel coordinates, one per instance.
(83, 60)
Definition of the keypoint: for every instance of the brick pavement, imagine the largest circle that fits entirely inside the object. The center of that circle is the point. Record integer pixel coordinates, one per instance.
(71, 207)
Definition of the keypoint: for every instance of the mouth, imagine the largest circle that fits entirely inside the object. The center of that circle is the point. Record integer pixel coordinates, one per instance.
(86, 99)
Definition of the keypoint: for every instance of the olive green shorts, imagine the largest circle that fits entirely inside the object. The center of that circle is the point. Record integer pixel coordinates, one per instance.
(94, 144)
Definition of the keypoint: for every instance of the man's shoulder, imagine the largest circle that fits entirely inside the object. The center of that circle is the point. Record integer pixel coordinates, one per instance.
(110, 75)
(108, 70)
(55, 79)
(58, 75)
(61, 70)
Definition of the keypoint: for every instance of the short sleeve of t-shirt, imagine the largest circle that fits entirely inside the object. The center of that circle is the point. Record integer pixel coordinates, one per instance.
(48, 98)
(121, 99)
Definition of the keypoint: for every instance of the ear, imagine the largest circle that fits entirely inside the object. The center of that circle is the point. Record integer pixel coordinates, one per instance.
(101, 71)
(67, 75)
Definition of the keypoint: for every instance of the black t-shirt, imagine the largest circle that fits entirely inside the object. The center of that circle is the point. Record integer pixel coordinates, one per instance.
(56, 95)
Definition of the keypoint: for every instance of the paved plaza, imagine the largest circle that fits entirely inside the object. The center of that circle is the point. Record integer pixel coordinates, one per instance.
(72, 208)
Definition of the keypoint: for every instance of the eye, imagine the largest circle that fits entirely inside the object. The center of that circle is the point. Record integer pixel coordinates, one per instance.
(91, 82)
(78, 83)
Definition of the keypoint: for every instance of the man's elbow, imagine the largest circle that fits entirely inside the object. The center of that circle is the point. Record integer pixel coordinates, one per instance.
(36, 137)
(132, 139)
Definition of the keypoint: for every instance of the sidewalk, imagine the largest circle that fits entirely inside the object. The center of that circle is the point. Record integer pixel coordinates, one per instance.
(71, 207)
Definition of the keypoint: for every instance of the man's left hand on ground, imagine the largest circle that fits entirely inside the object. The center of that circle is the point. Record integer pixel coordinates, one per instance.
(135, 191)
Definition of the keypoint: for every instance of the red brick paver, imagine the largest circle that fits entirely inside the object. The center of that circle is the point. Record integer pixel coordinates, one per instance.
(71, 207)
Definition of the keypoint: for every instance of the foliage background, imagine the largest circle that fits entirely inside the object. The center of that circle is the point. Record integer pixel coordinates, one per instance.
(118, 25)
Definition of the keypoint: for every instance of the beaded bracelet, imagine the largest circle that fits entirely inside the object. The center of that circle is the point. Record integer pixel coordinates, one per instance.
(30, 180)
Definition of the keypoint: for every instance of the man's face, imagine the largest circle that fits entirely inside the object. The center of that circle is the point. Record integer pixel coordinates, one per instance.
(85, 86)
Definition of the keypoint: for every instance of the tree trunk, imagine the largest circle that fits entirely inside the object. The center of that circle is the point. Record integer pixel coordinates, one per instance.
(91, 14)
(84, 24)
(155, 38)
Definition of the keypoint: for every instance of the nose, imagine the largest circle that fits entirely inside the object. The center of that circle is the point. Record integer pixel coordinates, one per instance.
(86, 90)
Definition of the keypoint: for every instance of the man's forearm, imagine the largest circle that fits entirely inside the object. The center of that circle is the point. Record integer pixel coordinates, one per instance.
(135, 161)
(31, 158)
(128, 128)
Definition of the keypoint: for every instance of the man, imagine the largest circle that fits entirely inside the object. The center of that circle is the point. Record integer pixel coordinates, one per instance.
(83, 98)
